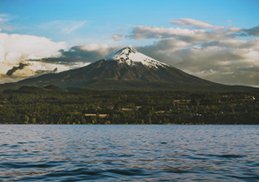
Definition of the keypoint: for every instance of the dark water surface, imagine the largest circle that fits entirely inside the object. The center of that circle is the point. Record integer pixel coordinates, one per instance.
(129, 153)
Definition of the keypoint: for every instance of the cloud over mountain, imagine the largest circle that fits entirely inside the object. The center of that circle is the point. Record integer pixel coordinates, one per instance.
(217, 53)
(17, 48)
(81, 54)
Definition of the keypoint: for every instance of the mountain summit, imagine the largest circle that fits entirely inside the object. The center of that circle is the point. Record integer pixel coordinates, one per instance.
(126, 69)
(132, 57)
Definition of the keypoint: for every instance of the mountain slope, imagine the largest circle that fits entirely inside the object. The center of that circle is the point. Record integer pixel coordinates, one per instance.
(126, 69)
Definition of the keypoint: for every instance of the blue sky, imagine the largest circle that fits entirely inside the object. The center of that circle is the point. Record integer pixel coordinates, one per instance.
(101, 18)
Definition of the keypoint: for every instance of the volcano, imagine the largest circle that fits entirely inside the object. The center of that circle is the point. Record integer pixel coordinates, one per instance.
(126, 69)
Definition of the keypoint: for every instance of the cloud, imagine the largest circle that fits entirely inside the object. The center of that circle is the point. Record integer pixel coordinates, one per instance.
(148, 32)
(192, 23)
(63, 26)
(188, 30)
(227, 61)
(22, 56)
(212, 52)
(117, 37)
(16, 49)
(15, 46)
(252, 31)
(34, 68)
(81, 54)
(97, 51)
(188, 35)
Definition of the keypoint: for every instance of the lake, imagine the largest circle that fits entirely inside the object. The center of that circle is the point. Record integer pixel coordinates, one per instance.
(129, 152)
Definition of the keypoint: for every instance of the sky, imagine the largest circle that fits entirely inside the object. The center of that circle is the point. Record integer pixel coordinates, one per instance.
(215, 40)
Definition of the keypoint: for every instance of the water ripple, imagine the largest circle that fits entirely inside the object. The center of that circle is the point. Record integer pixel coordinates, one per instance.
(129, 153)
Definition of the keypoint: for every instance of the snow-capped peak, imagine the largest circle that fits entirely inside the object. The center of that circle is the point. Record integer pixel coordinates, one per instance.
(131, 56)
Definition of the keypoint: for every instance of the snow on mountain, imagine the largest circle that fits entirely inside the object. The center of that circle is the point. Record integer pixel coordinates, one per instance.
(131, 56)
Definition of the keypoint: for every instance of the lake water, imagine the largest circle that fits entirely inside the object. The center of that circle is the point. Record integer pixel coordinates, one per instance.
(129, 153)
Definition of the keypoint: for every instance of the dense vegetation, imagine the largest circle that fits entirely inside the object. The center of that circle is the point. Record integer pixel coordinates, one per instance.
(29, 105)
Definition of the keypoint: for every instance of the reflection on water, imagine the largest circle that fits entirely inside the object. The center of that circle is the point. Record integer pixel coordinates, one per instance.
(129, 152)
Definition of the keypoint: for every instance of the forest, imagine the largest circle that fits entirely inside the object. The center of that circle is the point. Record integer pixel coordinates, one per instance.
(32, 105)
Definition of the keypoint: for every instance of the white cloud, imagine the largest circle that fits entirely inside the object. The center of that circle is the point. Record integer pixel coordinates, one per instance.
(212, 52)
(229, 61)
(16, 48)
(191, 35)
(94, 47)
(102, 49)
(147, 32)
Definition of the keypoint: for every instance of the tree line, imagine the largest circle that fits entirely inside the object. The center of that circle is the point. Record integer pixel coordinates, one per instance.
(36, 106)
